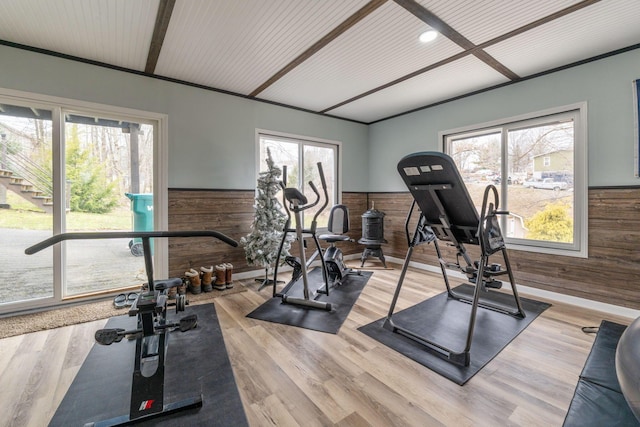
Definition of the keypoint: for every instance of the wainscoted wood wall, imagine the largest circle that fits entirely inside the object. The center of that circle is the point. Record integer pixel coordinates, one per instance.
(610, 274)
(231, 213)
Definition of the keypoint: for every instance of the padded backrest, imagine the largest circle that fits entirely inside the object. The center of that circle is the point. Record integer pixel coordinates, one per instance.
(439, 191)
(338, 220)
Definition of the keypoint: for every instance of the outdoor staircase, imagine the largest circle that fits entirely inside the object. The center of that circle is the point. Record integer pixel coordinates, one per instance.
(23, 175)
(26, 190)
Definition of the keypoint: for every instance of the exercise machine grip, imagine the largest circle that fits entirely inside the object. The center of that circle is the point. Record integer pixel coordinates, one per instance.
(126, 234)
(321, 172)
(313, 187)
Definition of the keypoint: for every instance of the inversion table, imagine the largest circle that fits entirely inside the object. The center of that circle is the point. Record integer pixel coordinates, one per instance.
(448, 214)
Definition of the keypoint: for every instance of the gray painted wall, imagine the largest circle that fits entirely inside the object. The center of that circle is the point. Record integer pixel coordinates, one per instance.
(211, 134)
(605, 85)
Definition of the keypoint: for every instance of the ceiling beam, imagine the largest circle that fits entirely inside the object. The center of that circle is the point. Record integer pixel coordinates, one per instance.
(443, 28)
(165, 9)
(365, 11)
(453, 35)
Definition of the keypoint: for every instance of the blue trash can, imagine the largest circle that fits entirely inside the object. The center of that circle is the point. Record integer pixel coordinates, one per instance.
(142, 209)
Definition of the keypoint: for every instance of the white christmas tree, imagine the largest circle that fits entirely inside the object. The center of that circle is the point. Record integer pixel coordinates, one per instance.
(261, 245)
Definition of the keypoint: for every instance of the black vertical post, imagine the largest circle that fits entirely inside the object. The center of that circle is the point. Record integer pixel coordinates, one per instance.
(148, 261)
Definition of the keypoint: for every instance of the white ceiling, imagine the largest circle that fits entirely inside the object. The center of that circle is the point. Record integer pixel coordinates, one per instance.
(355, 59)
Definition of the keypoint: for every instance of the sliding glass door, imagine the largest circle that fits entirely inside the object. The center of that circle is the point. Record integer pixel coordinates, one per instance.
(109, 187)
(26, 201)
(72, 170)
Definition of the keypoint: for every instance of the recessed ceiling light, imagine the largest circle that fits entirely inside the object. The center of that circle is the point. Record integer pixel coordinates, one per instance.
(428, 36)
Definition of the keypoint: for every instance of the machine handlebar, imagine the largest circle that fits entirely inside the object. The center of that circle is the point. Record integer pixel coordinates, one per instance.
(315, 190)
(326, 193)
(298, 200)
(126, 234)
(289, 194)
(324, 182)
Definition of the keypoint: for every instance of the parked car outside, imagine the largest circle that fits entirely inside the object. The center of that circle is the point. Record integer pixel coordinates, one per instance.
(530, 182)
(547, 184)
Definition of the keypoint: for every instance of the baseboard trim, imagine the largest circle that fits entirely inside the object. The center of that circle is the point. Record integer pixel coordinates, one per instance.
(534, 292)
(522, 289)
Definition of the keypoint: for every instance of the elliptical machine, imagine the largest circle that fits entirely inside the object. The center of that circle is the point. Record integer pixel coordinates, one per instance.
(296, 202)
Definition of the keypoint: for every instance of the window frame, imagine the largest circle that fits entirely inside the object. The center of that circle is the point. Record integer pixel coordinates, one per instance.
(303, 140)
(58, 107)
(578, 111)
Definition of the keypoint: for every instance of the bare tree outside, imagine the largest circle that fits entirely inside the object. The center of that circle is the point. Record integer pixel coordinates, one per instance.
(539, 180)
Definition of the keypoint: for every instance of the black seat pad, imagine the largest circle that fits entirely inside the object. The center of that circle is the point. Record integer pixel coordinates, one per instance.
(334, 237)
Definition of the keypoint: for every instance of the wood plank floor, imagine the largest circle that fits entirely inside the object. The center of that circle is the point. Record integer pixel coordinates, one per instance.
(295, 377)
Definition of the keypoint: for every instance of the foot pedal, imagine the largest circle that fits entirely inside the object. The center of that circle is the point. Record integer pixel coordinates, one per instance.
(294, 262)
(468, 269)
(493, 284)
(109, 336)
(188, 322)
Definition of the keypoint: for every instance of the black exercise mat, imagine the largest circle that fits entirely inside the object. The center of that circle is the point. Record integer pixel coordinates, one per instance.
(196, 363)
(600, 365)
(598, 400)
(446, 321)
(596, 406)
(341, 298)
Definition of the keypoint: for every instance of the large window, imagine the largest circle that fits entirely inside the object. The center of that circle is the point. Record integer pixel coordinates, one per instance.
(301, 155)
(69, 166)
(539, 165)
